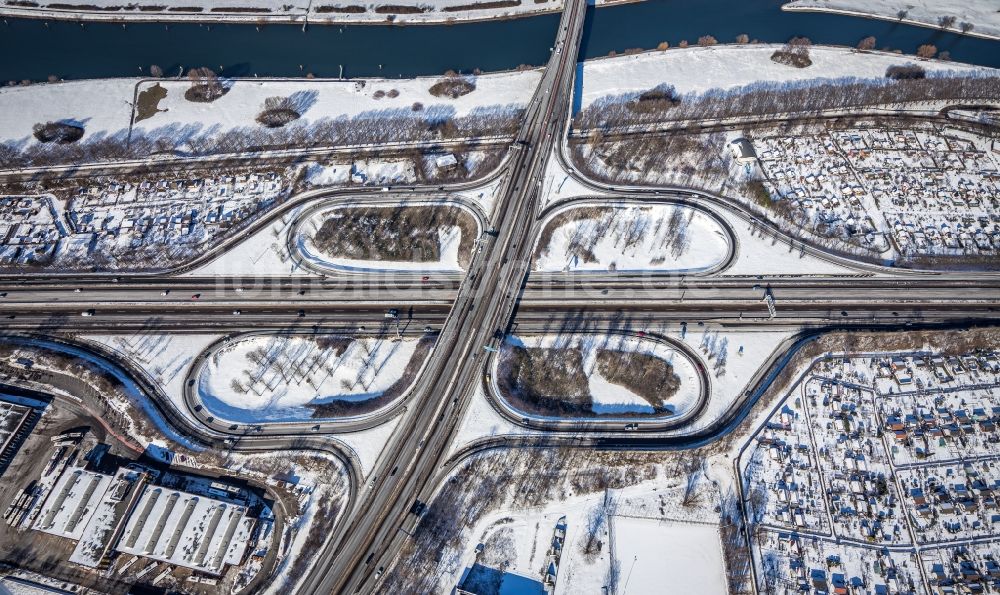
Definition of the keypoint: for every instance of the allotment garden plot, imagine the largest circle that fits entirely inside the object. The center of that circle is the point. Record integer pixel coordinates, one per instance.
(151, 222)
(871, 458)
(893, 190)
(293, 378)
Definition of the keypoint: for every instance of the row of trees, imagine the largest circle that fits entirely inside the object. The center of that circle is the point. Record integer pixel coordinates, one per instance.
(390, 125)
(772, 97)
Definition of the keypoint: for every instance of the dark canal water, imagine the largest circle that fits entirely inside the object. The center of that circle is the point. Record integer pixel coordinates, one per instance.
(35, 49)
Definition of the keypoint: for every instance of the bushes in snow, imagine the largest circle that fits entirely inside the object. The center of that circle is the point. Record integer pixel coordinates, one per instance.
(794, 53)
(277, 112)
(648, 376)
(410, 234)
(546, 381)
(60, 133)
(206, 86)
(453, 86)
(926, 51)
(902, 72)
(656, 100)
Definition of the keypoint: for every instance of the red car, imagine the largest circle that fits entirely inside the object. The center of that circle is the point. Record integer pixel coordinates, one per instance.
(195, 296)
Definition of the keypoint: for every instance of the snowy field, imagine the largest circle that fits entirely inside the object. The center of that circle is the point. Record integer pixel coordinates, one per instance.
(686, 556)
(609, 398)
(104, 107)
(515, 538)
(280, 378)
(733, 66)
(982, 15)
(264, 252)
(164, 357)
(627, 237)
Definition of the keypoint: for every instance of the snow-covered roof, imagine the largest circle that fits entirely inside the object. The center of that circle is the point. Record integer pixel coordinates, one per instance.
(71, 502)
(187, 530)
(743, 149)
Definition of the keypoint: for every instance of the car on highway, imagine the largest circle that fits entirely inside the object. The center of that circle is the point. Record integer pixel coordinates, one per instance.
(196, 296)
(425, 278)
(87, 313)
(237, 312)
(165, 292)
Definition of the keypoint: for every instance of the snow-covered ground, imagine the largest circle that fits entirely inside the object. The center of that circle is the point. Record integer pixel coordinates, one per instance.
(148, 428)
(630, 237)
(164, 357)
(761, 254)
(264, 252)
(610, 398)
(104, 107)
(699, 69)
(982, 15)
(652, 553)
(368, 445)
(276, 378)
(647, 520)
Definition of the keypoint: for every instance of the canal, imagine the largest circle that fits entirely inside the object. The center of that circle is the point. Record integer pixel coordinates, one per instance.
(31, 49)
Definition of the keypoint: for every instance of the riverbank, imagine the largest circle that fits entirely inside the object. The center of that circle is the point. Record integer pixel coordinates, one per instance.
(611, 79)
(136, 110)
(264, 12)
(974, 18)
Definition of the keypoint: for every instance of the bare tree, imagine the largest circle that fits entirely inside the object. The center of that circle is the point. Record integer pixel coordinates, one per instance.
(743, 38)
(926, 51)
(155, 71)
(966, 26)
(205, 86)
(946, 22)
(707, 40)
(695, 469)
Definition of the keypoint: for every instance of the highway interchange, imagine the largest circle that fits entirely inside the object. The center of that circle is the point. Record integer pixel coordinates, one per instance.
(467, 313)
